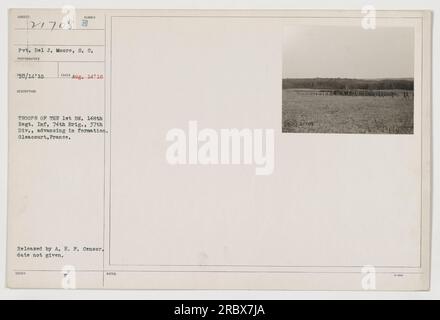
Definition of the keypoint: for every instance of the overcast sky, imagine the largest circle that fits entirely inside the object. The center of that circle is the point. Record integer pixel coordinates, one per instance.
(348, 52)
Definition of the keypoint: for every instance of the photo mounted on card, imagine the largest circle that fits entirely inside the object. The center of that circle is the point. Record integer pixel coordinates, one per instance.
(363, 83)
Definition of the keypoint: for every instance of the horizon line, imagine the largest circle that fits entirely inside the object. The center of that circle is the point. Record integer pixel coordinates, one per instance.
(345, 78)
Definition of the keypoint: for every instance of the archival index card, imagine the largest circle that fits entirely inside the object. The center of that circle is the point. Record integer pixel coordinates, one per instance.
(219, 149)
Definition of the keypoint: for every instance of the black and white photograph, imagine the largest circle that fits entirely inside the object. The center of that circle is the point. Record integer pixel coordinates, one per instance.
(339, 79)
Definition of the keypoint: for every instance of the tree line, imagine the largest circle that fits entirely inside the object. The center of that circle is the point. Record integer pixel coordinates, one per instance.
(348, 84)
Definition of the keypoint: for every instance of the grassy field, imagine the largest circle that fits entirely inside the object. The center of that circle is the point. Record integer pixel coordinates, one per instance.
(347, 114)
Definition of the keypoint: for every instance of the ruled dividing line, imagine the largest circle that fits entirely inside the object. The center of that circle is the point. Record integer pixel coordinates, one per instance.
(50, 29)
(57, 45)
(222, 271)
(68, 78)
(30, 61)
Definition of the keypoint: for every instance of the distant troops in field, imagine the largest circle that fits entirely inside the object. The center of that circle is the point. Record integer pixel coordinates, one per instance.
(360, 92)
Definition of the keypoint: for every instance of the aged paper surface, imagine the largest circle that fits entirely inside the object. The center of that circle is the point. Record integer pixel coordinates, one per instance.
(219, 149)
